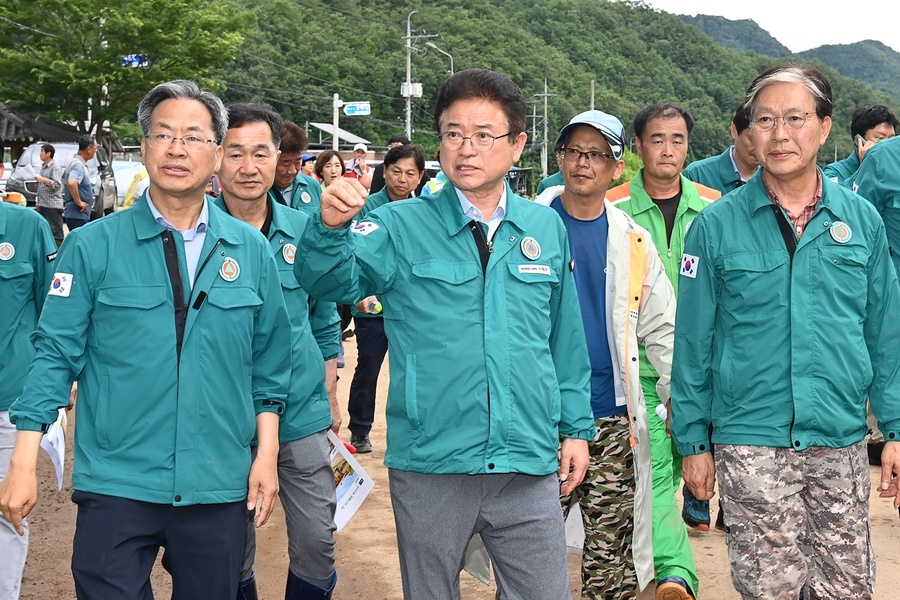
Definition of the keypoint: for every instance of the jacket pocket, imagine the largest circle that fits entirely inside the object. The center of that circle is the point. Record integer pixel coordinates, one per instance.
(140, 297)
(529, 288)
(445, 271)
(412, 404)
(844, 279)
(234, 297)
(441, 287)
(288, 280)
(17, 279)
(753, 278)
(753, 286)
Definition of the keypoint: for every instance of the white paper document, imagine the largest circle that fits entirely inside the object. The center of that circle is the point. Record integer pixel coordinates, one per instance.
(54, 443)
(351, 483)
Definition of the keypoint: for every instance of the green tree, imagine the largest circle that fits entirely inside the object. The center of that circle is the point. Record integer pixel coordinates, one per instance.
(65, 59)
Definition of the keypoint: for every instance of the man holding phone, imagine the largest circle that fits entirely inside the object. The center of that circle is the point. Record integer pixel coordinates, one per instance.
(868, 125)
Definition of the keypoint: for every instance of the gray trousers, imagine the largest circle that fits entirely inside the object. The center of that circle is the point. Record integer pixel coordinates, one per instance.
(519, 519)
(14, 546)
(307, 496)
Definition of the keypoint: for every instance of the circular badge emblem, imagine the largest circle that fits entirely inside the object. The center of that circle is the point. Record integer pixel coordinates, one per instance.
(289, 252)
(530, 248)
(7, 251)
(305, 197)
(230, 270)
(841, 232)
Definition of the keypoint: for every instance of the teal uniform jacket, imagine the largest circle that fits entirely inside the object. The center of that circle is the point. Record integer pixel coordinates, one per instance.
(550, 181)
(379, 198)
(878, 181)
(307, 195)
(778, 355)
(716, 172)
(315, 330)
(152, 427)
(27, 251)
(843, 172)
(487, 371)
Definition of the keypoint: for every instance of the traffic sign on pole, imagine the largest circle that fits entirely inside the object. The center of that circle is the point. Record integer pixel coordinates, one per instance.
(357, 109)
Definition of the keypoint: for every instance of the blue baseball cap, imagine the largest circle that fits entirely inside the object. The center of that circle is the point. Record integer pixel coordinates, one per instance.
(608, 126)
(307, 157)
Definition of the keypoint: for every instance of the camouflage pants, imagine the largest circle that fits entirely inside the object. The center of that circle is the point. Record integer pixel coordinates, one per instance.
(606, 498)
(797, 523)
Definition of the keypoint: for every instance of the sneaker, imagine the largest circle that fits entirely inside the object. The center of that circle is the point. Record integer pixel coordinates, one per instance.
(361, 443)
(673, 588)
(695, 512)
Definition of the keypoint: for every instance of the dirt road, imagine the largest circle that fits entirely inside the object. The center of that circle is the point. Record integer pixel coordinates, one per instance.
(366, 548)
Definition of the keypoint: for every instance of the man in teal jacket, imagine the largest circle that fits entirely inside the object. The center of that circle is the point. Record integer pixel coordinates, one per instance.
(868, 126)
(786, 321)
(878, 181)
(27, 252)
(489, 364)
(304, 468)
(403, 169)
(293, 188)
(171, 317)
(731, 169)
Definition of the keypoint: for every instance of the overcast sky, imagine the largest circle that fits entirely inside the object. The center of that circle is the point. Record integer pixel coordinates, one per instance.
(821, 22)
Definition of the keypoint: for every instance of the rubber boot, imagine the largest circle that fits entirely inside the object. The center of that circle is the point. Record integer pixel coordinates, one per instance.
(247, 589)
(300, 589)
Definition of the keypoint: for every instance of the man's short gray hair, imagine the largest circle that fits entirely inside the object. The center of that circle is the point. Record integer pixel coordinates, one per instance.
(811, 78)
(183, 88)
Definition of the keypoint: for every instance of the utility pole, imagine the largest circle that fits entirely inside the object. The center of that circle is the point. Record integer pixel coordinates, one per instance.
(592, 94)
(336, 104)
(545, 143)
(408, 89)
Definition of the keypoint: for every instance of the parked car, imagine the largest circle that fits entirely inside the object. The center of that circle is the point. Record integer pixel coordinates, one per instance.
(100, 170)
(4, 176)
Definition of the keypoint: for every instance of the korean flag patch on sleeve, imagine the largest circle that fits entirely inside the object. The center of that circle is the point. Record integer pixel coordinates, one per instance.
(689, 265)
(364, 228)
(61, 285)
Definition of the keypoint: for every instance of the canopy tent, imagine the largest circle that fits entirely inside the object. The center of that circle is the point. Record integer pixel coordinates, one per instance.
(343, 135)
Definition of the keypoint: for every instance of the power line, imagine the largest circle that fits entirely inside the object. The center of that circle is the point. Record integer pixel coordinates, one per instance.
(26, 27)
(313, 77)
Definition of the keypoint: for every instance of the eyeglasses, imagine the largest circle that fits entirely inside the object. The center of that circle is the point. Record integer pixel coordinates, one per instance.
(191, 142)
(791, 120)
(595, 158)
(482, 141)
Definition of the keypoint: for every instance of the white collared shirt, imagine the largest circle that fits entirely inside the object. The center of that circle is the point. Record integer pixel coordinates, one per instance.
(193, 237)
(474, 212)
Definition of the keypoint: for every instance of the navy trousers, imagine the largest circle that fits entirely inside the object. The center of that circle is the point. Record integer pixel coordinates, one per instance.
(372, 346)
(117, 540)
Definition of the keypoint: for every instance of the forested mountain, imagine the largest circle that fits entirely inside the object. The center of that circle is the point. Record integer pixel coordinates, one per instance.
(743, 35)
(87, 61)
(300, 52)
(868, 61)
